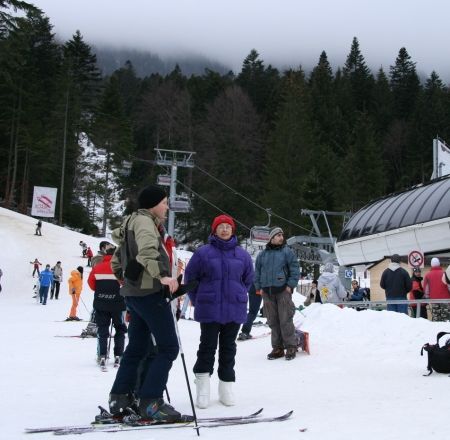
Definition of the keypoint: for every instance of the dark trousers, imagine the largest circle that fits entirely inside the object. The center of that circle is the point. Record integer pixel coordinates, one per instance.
(55, 289)
(225, 334)
(254, 303)
(36, 269)
(103, 320)
(43, 293)
(148, 314)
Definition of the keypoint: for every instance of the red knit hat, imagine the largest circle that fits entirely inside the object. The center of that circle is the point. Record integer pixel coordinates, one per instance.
(222, 219)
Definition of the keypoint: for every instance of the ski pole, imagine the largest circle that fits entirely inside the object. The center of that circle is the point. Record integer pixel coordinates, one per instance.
(109, 341)
(87, 310)
(185, 372)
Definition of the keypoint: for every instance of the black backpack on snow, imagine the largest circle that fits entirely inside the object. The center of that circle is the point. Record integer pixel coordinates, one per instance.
(438, 357)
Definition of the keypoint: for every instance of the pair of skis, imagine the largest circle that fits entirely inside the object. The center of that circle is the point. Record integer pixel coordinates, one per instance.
(109, 424)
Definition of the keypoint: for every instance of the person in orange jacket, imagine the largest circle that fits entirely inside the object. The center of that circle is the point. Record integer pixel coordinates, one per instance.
(75, 287)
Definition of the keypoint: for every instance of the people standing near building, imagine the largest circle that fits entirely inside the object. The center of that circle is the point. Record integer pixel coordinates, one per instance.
(329, 285)
(75, 287)
(434, 288)
(276, 274)
(254, 304)
(103, 247)
(109, 308)
(225, 274)
(417, 293)
(358, 293)
(38, 228)
(396, 283)
(36, 263)
(57, 279)
(45, 281)
(142, 264)
(313, 295)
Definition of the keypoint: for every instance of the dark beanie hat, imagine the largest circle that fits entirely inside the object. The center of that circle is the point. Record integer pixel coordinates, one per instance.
(395, 258)
(150, 196)
(223, 219)
(80, 269)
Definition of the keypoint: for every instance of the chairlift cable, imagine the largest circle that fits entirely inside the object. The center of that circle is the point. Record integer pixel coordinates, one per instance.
(212, 204)
(249, 200)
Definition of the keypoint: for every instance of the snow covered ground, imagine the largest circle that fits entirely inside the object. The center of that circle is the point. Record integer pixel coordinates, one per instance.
(363, 378)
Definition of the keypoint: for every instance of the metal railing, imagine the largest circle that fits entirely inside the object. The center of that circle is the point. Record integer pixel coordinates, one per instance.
(382, 304)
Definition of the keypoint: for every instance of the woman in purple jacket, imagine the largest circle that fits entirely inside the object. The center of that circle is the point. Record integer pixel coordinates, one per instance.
(225, 274)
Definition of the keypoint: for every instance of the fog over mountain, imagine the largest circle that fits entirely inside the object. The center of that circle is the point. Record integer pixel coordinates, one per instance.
(286, 33)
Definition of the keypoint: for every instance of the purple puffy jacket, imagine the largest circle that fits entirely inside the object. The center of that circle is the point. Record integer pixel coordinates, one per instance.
(225, 273)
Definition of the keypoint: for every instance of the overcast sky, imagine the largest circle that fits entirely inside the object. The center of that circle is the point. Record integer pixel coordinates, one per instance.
(284, 32)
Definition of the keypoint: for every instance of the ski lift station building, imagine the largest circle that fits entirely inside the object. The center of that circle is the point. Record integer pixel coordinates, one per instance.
(416, 219)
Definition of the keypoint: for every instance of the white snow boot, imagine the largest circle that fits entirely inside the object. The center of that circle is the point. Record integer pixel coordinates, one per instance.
(202, 382)
(226, 395)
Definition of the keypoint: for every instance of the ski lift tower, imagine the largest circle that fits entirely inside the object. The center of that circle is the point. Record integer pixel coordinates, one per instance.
(174, 159)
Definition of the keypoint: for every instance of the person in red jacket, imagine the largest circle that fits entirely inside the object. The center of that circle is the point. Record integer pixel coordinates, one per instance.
(89, 255)
(109, 306)
(434, 288)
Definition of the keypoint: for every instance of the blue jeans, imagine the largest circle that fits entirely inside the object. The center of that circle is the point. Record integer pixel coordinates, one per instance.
(254, 304)
(43, 293)
(148, 314)
(399, 308)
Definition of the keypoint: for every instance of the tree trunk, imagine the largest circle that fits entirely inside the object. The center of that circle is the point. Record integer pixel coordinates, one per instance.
(11, 196)
(63, 166)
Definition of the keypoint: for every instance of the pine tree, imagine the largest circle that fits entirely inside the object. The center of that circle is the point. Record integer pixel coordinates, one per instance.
(261, 84)
(360, 78)
(289, 149)
(405, 85)
(230, 148)
(111, 132)
(29, 67)
(322, 100)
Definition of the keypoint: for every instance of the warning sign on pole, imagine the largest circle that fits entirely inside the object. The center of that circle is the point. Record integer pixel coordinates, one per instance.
(416, 259)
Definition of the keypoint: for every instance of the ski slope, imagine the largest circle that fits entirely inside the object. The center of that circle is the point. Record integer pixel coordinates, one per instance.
(363, 378)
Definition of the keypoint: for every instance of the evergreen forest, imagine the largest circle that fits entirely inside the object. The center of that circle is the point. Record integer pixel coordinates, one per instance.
(333, 138)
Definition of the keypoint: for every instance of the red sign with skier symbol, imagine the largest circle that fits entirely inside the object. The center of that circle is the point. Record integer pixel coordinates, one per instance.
(415, 259)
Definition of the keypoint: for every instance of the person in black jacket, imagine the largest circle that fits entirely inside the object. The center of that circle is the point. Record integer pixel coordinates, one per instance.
(109, 306)
(396, 282)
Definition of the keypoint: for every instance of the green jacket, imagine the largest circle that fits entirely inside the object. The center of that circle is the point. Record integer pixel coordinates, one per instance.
(146, 247)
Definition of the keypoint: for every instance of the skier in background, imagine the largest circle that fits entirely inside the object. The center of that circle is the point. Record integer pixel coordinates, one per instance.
(83, 248)
(109, 307)
(75, 287)
(89, 255)
(45, 281)
(38, 228)
(104, 246)
(36, 263)
(1, 274)
(57, 279)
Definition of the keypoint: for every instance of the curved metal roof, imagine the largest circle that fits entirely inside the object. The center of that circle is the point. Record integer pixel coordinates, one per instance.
(419, 204)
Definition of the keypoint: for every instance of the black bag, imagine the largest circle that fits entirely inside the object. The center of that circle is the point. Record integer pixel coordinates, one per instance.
(133, 270)
(438, 357)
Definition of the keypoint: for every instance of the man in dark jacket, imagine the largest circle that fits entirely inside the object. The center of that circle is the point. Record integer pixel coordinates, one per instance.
(277, 273)
(109, 306)
(396, 282)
